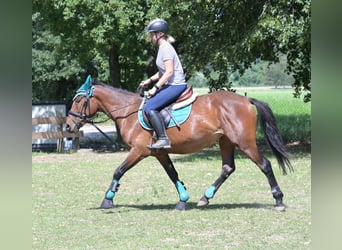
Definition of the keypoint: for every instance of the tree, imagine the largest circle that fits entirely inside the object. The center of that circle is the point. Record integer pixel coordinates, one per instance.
(217, 38)
(98, 37)
(50, 64)
(221, 35)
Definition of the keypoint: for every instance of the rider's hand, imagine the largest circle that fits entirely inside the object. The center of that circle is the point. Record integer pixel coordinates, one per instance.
(145, 83)
(152, 92)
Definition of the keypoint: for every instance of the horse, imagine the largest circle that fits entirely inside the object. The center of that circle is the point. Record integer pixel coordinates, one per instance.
(222, 116)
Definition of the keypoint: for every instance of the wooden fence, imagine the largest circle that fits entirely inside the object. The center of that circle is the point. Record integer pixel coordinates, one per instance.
(59, 134)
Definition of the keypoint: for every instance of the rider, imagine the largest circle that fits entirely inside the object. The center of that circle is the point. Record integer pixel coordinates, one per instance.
(170, 80)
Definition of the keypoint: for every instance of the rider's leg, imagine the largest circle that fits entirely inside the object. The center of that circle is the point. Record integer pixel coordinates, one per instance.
(159, 127)
(164, 97)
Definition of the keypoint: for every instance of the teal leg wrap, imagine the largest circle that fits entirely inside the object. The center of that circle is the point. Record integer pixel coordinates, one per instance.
(209, 193)
(183, 194)
(111, 193)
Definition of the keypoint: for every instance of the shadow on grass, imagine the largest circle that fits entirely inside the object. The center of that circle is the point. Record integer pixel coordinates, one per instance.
(190, 206)
(213, 153)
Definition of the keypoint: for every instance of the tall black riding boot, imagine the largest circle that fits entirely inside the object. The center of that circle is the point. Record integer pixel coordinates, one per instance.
(158, 125)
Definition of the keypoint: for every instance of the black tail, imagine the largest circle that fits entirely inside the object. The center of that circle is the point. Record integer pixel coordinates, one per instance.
(271, 131)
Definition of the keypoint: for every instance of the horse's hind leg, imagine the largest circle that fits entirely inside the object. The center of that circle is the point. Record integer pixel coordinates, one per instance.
(265, 166)
(167, 164)
(228, 167)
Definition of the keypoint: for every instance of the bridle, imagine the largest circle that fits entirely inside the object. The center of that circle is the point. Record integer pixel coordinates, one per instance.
(82, 115)
(86, 90)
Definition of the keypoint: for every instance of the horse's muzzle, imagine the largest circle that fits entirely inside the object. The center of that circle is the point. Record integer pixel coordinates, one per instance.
(68, 128)
(72, 126)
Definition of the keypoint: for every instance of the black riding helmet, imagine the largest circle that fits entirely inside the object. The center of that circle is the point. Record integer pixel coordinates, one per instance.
(157, 25)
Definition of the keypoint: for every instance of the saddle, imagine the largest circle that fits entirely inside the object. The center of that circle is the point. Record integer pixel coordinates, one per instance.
(184, 100)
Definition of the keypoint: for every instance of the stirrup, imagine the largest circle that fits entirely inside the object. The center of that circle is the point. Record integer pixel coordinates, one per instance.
(161, 143)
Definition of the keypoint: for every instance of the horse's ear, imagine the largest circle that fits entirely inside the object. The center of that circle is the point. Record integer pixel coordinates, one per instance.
(88, 82)
(86, 89)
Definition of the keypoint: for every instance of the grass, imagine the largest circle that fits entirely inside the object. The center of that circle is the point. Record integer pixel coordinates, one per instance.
(67, 189)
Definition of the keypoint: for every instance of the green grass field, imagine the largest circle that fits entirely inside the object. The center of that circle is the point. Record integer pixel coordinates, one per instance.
(68, 188)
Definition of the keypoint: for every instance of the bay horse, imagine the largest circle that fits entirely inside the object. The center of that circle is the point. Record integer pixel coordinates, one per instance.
(222, 116)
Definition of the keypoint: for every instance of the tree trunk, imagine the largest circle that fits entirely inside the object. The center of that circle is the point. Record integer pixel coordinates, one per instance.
(114, 67)
(114, 74)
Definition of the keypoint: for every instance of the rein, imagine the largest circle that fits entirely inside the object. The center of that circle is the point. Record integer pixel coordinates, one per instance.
(86, 119)
(114, 110)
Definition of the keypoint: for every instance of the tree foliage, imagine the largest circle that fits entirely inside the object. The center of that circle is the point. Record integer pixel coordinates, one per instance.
(73, 38)
(229, 36)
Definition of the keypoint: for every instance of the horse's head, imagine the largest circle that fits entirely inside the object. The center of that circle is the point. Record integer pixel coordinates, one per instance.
(83, 107)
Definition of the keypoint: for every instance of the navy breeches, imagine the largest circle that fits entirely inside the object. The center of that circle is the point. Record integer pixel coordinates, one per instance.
(164, 97)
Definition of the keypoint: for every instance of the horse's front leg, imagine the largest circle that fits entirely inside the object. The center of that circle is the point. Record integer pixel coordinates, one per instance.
(167, 164)
(228, 167)
(131, 160)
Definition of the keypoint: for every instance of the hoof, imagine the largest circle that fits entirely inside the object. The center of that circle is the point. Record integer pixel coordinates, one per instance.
(181, 206)
(106, 204)
(203, 202)
(280, 208)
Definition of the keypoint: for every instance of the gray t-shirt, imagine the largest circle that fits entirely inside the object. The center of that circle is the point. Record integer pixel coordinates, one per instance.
(167, 52)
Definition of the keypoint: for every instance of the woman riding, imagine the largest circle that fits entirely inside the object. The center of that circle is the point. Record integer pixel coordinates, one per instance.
(170, 80)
